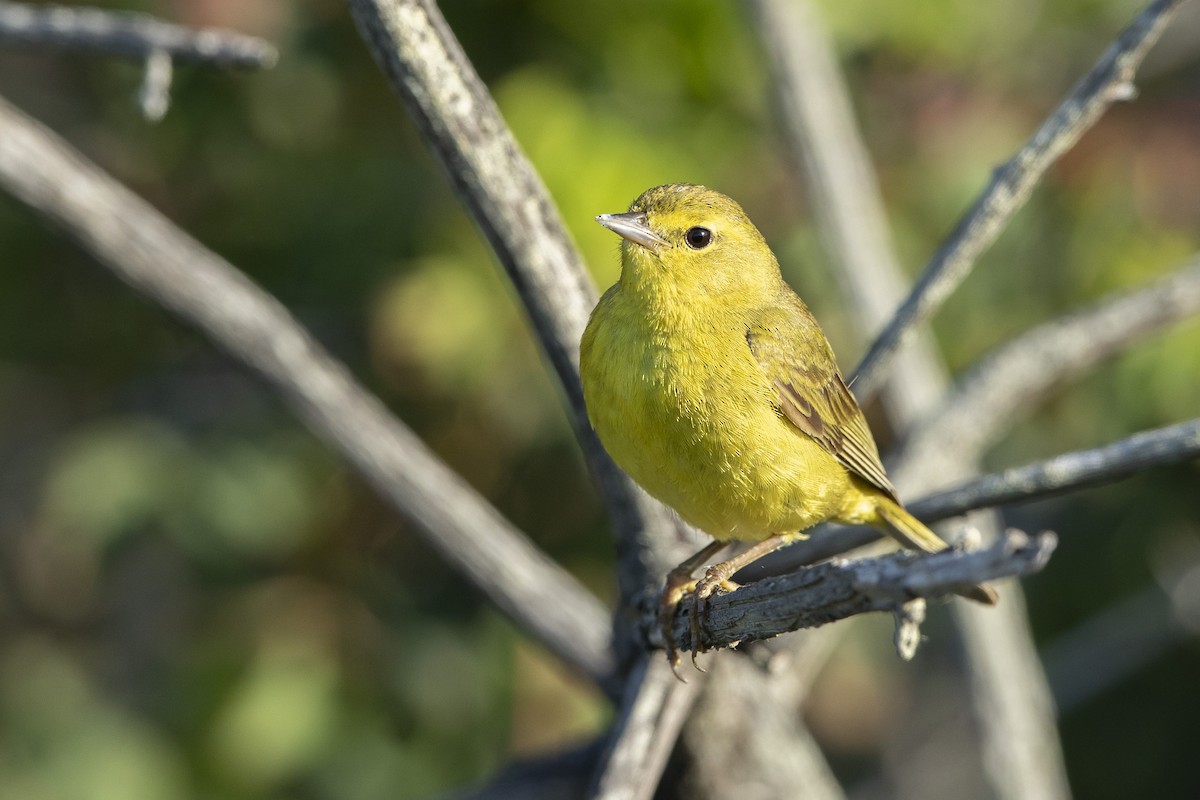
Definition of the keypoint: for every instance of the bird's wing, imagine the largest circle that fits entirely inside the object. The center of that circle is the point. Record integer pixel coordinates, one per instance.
(794, 355)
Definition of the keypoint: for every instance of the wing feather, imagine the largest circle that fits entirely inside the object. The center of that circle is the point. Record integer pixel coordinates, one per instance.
(795, 356)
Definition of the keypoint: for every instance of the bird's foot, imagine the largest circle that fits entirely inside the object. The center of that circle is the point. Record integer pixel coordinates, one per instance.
(716, 577)
(679, 584)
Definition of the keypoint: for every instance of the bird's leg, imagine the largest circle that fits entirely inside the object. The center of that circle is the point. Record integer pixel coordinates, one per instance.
(679, 582)
(718, 575)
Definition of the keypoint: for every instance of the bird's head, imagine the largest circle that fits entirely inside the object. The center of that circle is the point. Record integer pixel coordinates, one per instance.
(695, 240)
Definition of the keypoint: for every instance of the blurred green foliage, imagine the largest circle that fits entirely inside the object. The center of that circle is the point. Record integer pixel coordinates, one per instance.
(197, 599)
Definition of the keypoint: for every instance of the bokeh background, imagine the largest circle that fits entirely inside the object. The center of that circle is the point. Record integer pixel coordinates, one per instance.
(199, 600)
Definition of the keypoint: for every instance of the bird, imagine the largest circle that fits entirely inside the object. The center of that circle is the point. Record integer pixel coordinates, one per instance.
(708, 380)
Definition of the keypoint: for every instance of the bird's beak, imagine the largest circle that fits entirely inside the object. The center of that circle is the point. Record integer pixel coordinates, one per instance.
(632, 226)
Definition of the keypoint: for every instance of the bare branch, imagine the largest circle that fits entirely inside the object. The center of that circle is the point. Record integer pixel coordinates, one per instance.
(1028, 367)
(818, 119)
(460, 122)
(744, 713)
(154, 97)
(149, 253)
(1173, 444)
(1109, 81)
(822, 135)
(499, 187)
(1013, 376)
(1067, 472)
(838, 589)
(130, 35)
(655, 706)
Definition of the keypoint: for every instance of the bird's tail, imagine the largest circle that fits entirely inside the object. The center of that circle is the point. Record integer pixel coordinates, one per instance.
(913, 534)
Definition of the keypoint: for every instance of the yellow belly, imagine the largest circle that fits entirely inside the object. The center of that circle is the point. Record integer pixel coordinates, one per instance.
(699, 431)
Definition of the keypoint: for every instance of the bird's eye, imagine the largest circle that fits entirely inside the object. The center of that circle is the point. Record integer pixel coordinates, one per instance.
(698, 237)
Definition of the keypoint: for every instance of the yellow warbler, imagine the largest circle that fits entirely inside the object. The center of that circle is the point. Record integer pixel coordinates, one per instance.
(710, 383)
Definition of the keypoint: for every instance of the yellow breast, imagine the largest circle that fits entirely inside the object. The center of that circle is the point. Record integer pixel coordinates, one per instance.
(697, 426)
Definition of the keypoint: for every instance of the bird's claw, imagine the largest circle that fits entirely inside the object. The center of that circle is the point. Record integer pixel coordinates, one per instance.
(678, 585)
(713, 580)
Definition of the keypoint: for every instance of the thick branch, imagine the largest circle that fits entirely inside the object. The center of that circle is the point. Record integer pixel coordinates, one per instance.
(822, 136)
(1068, 472)
(149, 253)
(817, 114)
(1109, 81)
(655, 706)
(460, 122)
(494, 180)
(838, 589)
(130, 35)
(747, 740)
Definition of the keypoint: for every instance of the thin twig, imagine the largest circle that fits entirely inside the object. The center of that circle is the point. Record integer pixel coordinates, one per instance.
(149, 253)
(1025, 369)
(131, 35)
(839, 589)
(1108, 82)
(973, 415)
(1068, 472)
(1170, 445)
(154, 96)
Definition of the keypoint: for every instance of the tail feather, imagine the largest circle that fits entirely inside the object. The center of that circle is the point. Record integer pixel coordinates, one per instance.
(913, 534)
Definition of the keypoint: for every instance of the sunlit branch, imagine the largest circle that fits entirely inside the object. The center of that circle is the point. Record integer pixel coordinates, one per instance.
(1024, 370)
(823, 138)
(147, 251)
(821, 131)
(1109, 81)
(131, 35)
(459, 121)
(838, 589)
(1067, 472)
(461, 124)
(1173, 444)
(655, 706)
(155, 43)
